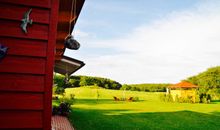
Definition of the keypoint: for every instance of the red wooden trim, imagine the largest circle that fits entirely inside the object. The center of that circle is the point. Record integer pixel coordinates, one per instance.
(21, 82)
(60, 45)
(13, 29)
(24, 65)
(63, 26)
(20, 119)
(16, 12)
(50, 64)
(24, 47)
(37, 3)
(58, 57)
(25, 101)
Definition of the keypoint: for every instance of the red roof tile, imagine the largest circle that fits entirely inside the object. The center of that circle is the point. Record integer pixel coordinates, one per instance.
(183, 84)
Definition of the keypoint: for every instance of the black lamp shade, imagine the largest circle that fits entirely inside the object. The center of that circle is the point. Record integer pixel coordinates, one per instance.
(71, 43)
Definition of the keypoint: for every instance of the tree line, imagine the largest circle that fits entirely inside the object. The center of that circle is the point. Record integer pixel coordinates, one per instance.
(79, 81)
(153, 87)
(208, 82)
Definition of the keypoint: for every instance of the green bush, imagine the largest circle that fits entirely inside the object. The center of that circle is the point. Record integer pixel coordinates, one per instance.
(205, 98)
(136, 99)
(146, 87)
(166, 98)
(59, 90)
(162, 97)
(72, 96)
(67, 100)
(125, 87)
(197, 99)
(64, 107)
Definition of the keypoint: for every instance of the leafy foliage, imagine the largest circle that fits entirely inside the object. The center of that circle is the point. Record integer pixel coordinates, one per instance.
(79, 81)
(209, 79)
(166, 98)
(145, 87)
(64, 108)
(208, 82)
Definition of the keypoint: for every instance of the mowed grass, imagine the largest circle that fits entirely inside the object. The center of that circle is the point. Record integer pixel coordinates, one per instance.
(149, 113)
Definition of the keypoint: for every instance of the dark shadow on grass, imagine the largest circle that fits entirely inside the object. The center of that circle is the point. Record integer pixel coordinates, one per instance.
(216, 113)
(87, 119)
(215, 101)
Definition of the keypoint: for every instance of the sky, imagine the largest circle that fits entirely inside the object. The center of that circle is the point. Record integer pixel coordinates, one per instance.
(147, 41)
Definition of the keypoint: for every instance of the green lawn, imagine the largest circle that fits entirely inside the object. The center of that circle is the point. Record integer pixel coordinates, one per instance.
(149, 113)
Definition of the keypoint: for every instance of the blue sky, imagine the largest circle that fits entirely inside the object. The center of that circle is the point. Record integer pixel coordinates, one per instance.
(147, 41)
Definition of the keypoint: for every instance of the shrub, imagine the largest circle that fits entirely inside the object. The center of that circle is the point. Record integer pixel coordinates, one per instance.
(67, 100)
(169, 98)
(177, 99)
(136, 99)
(60, 90)
(162, 97)
(125, 87)
(205, 98)
(197, 99)
(55, 110)
(64, 107)
(166, 97)
(55, 97)
(72, 96)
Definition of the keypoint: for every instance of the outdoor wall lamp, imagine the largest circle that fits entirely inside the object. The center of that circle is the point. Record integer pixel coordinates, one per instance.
(71, 43)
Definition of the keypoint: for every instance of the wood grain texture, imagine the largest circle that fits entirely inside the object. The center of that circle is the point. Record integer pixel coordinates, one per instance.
(24, 47)
(15, 64)
(18, 101)
(21, 82)
(50, 64)
(35, 3)
(16, 12)
(13, 29)
(20, 119)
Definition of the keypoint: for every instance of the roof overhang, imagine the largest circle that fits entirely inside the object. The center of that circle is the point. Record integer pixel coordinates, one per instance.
(183, 84)
(68, 14)
(67, 65)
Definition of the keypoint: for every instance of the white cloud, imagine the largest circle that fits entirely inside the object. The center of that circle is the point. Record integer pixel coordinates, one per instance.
(80, 34)
(168, 50)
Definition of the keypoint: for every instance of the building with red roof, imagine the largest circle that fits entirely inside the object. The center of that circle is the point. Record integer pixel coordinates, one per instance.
(183, 90)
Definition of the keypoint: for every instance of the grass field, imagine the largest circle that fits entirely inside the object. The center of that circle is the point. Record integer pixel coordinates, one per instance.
(149, 113)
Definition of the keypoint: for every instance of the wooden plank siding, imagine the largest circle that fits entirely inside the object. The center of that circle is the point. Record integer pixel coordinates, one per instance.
(26, 72)
(16, 12)
(18, 101)
(25, 47)
(21, 82)
(50, 64)
(10, 28)
(34, 3)
(19, 64)
(21, 119)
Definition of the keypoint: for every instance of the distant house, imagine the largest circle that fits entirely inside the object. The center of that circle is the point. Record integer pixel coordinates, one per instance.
(183, 90)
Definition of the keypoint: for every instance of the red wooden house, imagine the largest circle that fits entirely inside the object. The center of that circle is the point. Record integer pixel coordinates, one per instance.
(26, 71)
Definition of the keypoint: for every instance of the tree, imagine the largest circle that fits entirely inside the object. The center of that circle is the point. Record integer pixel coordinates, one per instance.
(208, 80)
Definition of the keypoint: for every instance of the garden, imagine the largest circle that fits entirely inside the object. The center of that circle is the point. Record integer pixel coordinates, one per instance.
(95, 108)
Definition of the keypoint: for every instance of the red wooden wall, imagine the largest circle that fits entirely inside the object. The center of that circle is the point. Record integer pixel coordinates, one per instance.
(26, 73)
